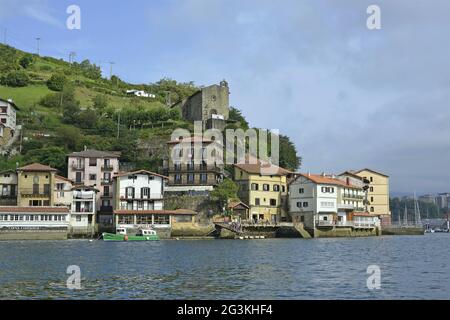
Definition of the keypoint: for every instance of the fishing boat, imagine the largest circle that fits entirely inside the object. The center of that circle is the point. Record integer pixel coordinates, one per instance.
(122, 235)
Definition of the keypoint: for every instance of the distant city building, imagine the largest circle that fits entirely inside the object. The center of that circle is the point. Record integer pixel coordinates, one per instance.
(428, 198)
(211, 105)
(443, 200)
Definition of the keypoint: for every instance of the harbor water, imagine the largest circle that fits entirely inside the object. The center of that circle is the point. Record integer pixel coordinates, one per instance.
(412, 267)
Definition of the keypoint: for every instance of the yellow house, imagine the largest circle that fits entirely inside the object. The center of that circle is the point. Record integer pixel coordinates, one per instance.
(36, 183)
(378, 193)
(265, 194)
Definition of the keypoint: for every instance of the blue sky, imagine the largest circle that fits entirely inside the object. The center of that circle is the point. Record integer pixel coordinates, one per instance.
(347, 96)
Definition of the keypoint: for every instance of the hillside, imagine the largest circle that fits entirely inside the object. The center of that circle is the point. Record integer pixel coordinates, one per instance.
(65, 107)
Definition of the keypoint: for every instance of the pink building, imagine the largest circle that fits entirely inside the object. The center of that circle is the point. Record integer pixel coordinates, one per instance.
(96, 169)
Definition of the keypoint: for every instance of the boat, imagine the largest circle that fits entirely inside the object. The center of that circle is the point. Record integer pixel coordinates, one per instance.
(122, 235)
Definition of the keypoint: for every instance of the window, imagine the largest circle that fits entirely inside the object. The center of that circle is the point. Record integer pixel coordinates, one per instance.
(299, 204)
(371, 179)
(178, 178)
(327, 190)
(129, 191)
(78, 218)
(266, 187)
(283, 189)
(190, 178)
(371, 189)
(255, 187)
(123, 219)
(273, 202)
(276, 187)
(372, 209)
(203, 177)
(257, 201)
(305, 204)
(301, 190)
(92, 177)
(92, 162)
(106, 191)
(162, 219)
(145, 193)
(327, 204)
(180, 218)
(144, 219)
(371, 199)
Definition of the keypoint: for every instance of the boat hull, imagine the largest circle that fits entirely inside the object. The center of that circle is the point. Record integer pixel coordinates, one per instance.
(121, 237)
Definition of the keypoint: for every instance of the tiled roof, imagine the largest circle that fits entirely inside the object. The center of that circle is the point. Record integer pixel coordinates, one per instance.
(234, 204)
(34, 209)
(259, 168)
(11, 103)
(376, 172)
(95, 154)
(122, 174)
(162, 212)
(320, 179)
(37, 167)
(63, 178)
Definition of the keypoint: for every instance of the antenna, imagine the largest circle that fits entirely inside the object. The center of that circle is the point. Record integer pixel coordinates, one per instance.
(38, 45)
(111, 69)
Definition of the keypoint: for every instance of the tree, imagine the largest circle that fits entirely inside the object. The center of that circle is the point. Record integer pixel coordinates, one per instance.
(15, 79)
(236, 115)
(52, 156)
(56, 82)
(26, 61)
(69, 137)
(100, 104)
(227, 189)
(288, 154)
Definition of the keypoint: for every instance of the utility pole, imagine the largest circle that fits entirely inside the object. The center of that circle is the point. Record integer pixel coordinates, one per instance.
(72, 55)
(111, 69)
(38, 45)
(118, 126)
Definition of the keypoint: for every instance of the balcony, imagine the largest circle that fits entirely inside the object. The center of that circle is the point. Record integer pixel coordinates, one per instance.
(77, 166)
(152, 196)
(107, 168)
(83, 196)
(353, 196)
(107, 182)
(325, 223)
(84, 210)
(364, 225)
(106, 195)
(194, 168)
(344, 224)
(35, 193)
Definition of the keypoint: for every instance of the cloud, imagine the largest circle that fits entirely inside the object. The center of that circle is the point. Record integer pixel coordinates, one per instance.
(35, 9)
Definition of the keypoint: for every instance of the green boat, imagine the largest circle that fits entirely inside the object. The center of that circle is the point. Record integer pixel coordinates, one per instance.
(121, 235)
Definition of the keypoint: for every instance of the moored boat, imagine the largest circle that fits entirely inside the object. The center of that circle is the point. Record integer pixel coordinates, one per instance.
(122, 235)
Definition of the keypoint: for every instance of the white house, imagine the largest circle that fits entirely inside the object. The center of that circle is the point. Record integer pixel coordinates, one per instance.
(83, 210)
(328, 201)
(141, 93)
(8, 126)
(34, 223)
(63, 192)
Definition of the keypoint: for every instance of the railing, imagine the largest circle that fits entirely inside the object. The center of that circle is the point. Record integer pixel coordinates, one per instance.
(344, 224)
(107, 195)
(107, 168)
(364, 225)
(106, 209)
(76, 166)
(83, 196)
(152, 196)
(85, 210)
(35, 193)
(353, 196)
(106, 182)
(325, 223)
(194, 168)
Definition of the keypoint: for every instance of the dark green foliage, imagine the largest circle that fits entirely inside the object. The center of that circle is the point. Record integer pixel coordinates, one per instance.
(69, 137)
(236, 115)
(226, 190)
(288, 154)
(26, 61)
(31, 145)
(52, 156)
(8, 59)
(91, 71)
(56, 82)
(15, 79)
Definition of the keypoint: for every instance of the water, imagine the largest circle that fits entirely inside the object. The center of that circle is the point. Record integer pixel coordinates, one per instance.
(412, 267)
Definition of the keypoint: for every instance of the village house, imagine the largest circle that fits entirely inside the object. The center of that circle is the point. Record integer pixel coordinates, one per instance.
(8, 126)
(265, 195)
(36, 184)
(63, 192)
(96, 169)
(322, 202)
(83, 211)
(186, 176)
(34, 223)
(211, 105)
(378, 193)
(8, 188)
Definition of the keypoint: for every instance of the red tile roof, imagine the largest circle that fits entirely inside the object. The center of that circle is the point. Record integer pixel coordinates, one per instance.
(63, 178)
(122, 174)
(37, 167)
(260, 168)
(34, 209)
(320, 179)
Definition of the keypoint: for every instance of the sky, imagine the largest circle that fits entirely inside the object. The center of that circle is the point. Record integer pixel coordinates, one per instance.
(347, 96)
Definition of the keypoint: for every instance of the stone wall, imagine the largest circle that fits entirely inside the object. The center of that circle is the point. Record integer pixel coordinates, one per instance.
(201, 204)
(345, 232)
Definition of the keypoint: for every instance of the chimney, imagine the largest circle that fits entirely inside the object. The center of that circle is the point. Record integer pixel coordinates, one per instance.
(323, 174)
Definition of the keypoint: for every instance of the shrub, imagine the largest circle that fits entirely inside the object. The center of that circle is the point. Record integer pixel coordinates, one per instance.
(56, 82)
(16, 79)
(26, 61)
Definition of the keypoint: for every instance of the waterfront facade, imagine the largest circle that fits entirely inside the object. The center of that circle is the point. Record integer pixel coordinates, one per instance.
(328, 202)
(265, 195)
(63, 192)
(83, 211)
(184, 175)
(36, 183)
(34, 223)
(378, 193)
(96, 169)
(8, 188)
